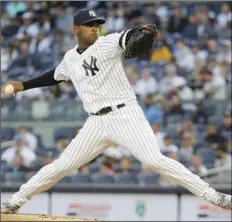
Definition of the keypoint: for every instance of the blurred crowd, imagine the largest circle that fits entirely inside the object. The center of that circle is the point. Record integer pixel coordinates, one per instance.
(183, 85)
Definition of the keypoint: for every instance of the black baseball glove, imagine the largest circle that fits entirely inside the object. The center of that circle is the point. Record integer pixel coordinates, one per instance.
(141, 42)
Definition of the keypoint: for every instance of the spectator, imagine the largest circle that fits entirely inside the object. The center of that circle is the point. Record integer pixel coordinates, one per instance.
(146, 85)
(183, 55)
(159, 134)
(223, 157)
(213, 134)
(170, 81)
(84, 169)
(161, 54)
(107, 168)
(191, 30)
(177, 21)
(187, 148)
(116, 151)
(29, 27)
(168, 147)
(64, 18)
(225, 54)
(226, 128)
(61, 145)
(152, 113)
(200, 117)
(224, 16)
(214, 87)
(125, 165)
(197, 166)
(30, 138)
(114, 23)
(20, 157)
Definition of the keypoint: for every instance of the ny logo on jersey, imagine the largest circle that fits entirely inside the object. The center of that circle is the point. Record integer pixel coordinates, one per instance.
(92, 13)
(92, 67)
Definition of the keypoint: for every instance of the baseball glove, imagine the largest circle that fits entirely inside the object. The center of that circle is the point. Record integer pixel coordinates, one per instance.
(141, 42)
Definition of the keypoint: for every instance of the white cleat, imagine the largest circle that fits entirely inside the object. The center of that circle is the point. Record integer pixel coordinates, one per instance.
(9, 208)
(222, 200)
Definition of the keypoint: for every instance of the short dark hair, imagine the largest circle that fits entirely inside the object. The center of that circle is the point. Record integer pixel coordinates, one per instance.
(222, 147)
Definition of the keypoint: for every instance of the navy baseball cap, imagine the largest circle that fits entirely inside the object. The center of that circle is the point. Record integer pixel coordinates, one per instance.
(85, 16)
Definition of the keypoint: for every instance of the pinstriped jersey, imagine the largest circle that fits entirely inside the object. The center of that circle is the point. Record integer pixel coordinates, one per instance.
(97, 73)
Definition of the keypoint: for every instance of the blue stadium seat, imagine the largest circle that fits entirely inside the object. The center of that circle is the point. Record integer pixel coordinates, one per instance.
(94, 168)
(7, 133)
(149, 178)
(208, 156)
(64, 180)
(101, 178)
(136, 167)
(126, 178)
(15, 177)
(80, 178)
(64, 132)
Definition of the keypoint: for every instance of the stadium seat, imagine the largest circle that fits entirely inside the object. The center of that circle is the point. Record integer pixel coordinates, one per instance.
(94, 168)
(101, 178)
(15, 177)
(64, 180)
(7, 133)
(80, 178)
(136, 167)
(126, 178)
(148, 178)
(29, 175)
(64, 132)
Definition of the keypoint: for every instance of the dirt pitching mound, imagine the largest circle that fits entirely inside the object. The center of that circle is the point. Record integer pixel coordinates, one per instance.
(40, 217)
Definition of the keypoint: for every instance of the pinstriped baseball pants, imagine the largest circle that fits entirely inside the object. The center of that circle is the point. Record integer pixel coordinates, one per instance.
(126, 126)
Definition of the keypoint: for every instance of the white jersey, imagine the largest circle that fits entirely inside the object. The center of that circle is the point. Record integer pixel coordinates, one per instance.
(98, 73)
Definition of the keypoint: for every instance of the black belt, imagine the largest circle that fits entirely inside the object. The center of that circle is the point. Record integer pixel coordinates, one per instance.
(106, 110)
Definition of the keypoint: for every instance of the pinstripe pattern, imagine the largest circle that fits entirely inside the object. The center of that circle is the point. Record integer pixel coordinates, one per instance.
(141, 142)
(88, 144)
(126, 126)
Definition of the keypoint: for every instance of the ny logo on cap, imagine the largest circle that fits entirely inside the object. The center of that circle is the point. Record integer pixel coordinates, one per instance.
(92, 13)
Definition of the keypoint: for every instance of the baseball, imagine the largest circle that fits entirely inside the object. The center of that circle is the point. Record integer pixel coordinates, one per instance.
(9, 89)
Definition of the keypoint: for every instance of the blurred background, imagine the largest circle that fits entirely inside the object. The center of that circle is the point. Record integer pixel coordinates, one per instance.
(183, 86)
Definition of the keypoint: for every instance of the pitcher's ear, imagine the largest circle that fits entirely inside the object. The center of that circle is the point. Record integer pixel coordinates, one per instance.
(76, 29)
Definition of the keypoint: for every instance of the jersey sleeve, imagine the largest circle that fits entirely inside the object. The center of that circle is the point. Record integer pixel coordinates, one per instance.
(62, 71)
(113, 45)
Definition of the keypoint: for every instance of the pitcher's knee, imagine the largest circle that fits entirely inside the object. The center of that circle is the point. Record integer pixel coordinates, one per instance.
(61, 167)
(154, 161)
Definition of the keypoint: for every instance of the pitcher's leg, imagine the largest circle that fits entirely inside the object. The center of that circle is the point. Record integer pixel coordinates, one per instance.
(82, 149)
(137, 136)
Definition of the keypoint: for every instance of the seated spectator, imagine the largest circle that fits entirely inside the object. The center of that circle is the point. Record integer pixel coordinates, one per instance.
(226, 128)
(213, 134)
(224, 16)
(158, 134)
(187, 126)
(152, 113)
(84, 169)
(161, 54)
(214, 87)
(30, 138)
(187, 146)
(20, 157)
(197, 166)
(184, 56)
(29, 26)
(223, 157)
(170, 81)
(107, 168)
(224, 55)
(146, 85)
(200, 117)
(174, 107)
(191, 29)
(177, 21)
(168, 147)
(126, 165)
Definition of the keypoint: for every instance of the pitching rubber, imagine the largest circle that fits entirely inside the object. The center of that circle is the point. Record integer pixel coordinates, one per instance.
(40, 217)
